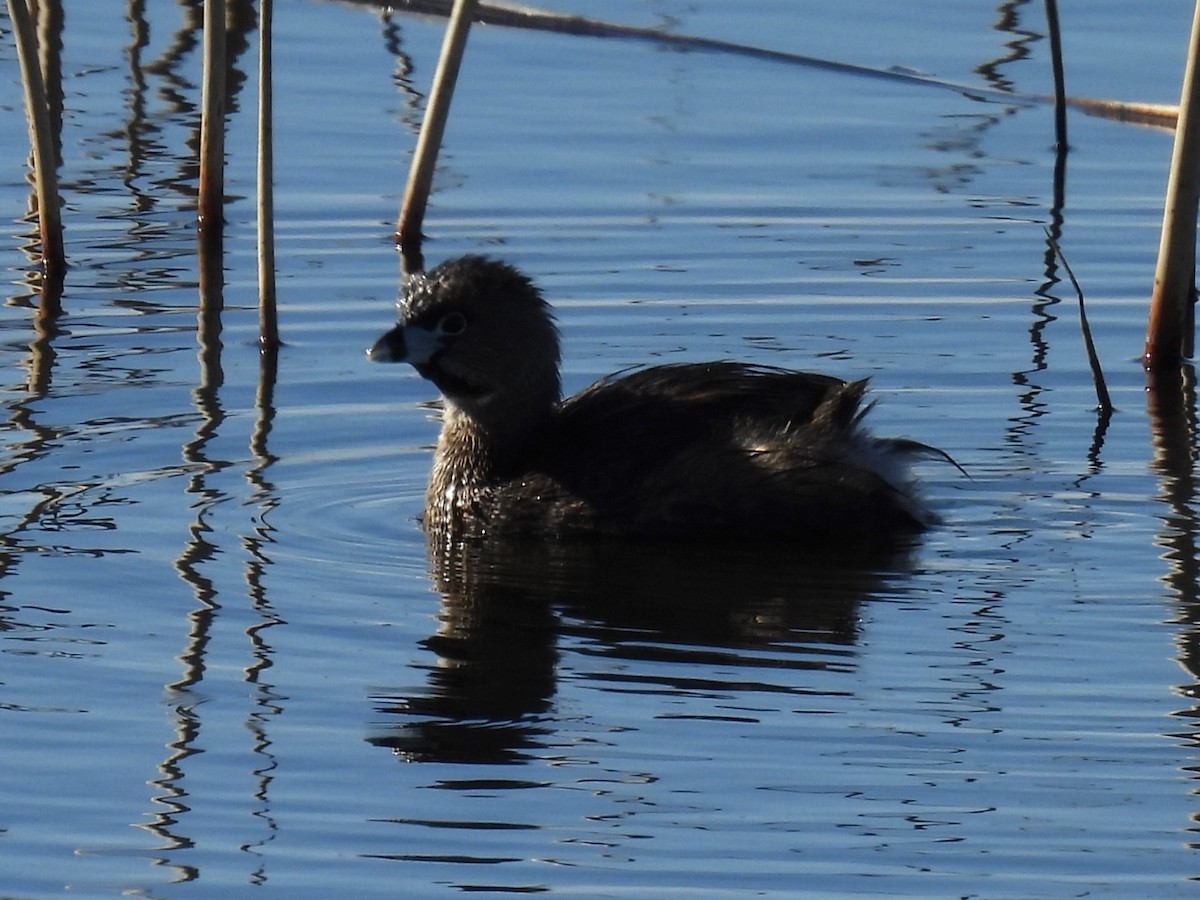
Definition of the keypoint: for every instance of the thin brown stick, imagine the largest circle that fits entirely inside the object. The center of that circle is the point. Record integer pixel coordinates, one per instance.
(45, 177)
(1168, 340)
(1056, 65)
(1153, 114)
(1104, 401)
(420, 176)
(268, 320)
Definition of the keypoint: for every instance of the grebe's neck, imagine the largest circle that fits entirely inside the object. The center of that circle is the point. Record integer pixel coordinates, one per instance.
(473, 453)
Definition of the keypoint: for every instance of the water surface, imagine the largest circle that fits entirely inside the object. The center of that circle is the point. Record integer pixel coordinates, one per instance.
(227, 665)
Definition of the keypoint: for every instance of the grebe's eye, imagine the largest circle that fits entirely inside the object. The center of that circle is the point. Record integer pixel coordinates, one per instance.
(452, 324)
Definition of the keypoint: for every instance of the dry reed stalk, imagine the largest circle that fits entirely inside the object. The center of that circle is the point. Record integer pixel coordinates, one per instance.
(420, 176)
(1168, 335)
(212, 123)
(45, 177)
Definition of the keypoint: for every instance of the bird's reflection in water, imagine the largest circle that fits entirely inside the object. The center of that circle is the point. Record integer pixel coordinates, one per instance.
(505, 607)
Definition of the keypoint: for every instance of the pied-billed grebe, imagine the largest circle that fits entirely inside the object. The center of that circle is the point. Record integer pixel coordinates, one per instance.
(719, 449)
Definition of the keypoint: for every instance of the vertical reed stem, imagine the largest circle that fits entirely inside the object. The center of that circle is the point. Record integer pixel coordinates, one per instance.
(1167, 335)
(268, 321)
(1056, 62)
(420, 176)
(45, 178)
(212, 123)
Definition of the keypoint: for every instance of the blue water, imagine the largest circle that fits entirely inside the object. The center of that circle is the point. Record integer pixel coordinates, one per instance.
(227, 666)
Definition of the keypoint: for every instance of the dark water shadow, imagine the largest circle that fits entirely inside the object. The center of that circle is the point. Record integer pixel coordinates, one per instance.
(1174, 431)
(1171, 405)
(506, 608)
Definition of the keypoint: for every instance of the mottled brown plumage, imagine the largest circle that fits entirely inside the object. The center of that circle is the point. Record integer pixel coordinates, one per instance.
(720, 449)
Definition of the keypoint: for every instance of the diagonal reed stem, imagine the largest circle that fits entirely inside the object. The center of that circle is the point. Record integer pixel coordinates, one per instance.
(420, 176)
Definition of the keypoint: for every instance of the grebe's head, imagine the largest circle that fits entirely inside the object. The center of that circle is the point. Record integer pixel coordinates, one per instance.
(481, 332)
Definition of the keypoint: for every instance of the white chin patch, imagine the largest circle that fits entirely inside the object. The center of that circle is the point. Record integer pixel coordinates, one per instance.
(420, 344)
